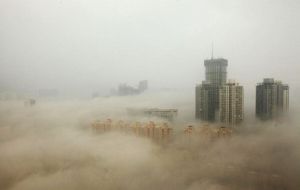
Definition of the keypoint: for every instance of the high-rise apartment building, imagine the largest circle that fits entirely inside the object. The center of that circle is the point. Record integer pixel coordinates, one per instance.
(272, 98)
(206, 101)
(207, 94)
(231, 103)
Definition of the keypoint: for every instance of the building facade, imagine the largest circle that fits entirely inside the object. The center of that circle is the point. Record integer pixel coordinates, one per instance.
(216, 71)
(231, 103)
(167, 114)
(272, 98)
(206, 101)
(207, 94)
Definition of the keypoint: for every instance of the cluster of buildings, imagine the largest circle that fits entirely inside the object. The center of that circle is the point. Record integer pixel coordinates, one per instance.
(125, 90)
(222, 100)
(218, 99)
(159, 132)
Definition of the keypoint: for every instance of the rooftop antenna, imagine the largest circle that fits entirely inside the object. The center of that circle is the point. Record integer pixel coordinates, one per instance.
(212, 50)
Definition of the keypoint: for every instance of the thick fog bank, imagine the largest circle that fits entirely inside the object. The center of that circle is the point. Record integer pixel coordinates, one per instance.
(50, 146)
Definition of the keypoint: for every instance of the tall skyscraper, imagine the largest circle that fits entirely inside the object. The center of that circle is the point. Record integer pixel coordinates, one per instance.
(207, 94)
(231, 107)
(272, 98)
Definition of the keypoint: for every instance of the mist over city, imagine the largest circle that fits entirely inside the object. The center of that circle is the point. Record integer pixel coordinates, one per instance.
(139, 94)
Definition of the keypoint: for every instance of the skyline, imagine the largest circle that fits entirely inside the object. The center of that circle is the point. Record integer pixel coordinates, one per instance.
(81, 57)
(149, 94)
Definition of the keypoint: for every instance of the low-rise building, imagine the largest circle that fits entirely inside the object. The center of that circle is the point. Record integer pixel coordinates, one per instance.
(168, 114)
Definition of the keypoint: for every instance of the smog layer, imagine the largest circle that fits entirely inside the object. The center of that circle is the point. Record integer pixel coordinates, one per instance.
(50, 146)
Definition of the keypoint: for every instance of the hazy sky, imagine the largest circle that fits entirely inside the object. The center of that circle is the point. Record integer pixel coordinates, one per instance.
(82, 46)
(93, 45)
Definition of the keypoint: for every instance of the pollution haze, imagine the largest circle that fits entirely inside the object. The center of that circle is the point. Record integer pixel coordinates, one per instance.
(61, 62)
(79, 47)
(51, 146)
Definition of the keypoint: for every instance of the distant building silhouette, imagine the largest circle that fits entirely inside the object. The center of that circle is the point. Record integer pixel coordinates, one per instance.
(30, 102)
(272, 98)
(143, 85)
(125, 90)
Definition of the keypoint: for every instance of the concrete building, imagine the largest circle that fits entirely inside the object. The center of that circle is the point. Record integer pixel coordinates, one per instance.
(159, 132)
(208, 132)
(216, 71)
(272, 99)
(231, 103)
(206, 101)
(126, 90)
(168, 114)
(207, 94)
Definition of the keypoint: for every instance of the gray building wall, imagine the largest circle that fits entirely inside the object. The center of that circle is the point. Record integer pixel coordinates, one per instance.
(272, 99)
(216, 71)
(206, 102)
(207, 94)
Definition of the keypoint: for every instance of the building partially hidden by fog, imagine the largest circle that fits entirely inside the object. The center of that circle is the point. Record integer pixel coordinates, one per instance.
(168, 114)
(159, 132)
(206, 101)
(231, 107)
(125, 90)
(29, 102)
(272, 99)
(143, 85)
(207, 94)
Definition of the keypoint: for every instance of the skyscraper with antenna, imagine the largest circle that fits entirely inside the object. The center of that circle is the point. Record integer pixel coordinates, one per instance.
(207, 93)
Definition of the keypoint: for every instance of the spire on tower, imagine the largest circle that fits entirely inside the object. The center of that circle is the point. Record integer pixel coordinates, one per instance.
(212, 50)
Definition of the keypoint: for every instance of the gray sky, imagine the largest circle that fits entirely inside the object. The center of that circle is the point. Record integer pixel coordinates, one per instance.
(93, 45)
